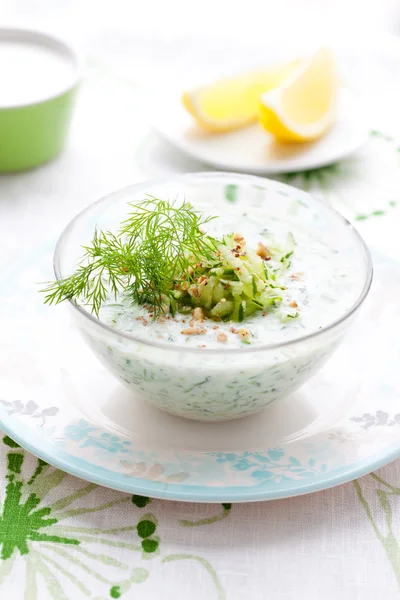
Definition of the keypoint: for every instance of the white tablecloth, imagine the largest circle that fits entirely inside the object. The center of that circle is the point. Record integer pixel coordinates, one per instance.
(342, 543)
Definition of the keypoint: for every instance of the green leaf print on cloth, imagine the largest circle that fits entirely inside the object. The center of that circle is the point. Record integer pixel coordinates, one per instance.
(46, 533)
(20, 522)
(383, 528)
(362, 187)
(31, 528)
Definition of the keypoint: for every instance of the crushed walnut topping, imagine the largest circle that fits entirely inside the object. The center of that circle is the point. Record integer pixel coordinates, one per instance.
(263, 251)
(142, 320)
(194, 290)
(198, 314)
(222, 337)
(194, 331)
(244, 333)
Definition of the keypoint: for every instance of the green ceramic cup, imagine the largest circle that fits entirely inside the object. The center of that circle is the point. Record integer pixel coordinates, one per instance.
(36, 113)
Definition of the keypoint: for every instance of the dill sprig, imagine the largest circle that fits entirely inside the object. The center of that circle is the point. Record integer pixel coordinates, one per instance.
(157, 247)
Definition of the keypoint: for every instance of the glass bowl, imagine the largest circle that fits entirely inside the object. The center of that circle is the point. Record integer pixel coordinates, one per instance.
(215, 384)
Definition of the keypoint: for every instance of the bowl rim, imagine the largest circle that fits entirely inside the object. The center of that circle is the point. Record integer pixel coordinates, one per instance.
(248, 349)
(42, 37)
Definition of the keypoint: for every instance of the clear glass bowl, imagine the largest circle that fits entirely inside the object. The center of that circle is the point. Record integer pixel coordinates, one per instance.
(213, 384)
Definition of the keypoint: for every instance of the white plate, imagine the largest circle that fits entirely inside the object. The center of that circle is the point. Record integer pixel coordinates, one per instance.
(57, 401)
(253, 150)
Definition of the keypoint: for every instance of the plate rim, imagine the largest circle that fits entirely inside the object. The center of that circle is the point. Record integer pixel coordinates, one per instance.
(48, 450)
(183, 492)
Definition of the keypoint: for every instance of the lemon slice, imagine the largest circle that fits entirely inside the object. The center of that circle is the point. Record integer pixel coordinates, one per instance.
(233, 102)
(304, 107)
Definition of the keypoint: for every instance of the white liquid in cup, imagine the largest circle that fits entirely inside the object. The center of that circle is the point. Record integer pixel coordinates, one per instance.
(31, 72)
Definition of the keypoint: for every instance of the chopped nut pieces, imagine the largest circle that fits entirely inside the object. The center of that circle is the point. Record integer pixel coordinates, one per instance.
(244, 333)
(222, 337)
(194, 290)
(142, 320)
(198, 314)
(263, 251)
(293, 304)
(194, 331)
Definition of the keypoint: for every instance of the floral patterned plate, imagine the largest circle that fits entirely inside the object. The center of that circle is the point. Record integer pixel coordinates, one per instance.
(57, 401)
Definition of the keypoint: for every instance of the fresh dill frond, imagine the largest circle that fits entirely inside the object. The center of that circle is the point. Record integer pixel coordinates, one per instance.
(151, 252)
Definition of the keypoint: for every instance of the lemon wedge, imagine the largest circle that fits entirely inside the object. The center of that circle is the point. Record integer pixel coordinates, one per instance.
(303, 108)
(233, 102)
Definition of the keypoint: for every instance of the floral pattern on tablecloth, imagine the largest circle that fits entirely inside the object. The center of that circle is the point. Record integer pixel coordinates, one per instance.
(62, 538)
